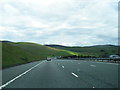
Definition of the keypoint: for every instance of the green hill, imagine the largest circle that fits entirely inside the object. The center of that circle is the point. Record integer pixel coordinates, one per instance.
(15, 53)
(25, 52)
(98, 50)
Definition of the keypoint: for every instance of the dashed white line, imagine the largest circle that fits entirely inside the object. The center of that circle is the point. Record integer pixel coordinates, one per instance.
(92, 65)
(74, 74)
(4, 85)
(62, 66)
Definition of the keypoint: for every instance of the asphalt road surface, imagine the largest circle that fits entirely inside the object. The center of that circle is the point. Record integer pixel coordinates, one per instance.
(61, 74)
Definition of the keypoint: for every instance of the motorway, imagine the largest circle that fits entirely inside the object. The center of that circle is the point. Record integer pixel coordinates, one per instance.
(61, 74)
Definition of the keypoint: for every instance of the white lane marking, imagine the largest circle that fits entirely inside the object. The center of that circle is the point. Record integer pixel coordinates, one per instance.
(107, 63)
(4, 85)
(62, 66)
(92, 65)
(74, 74)
(112, 63)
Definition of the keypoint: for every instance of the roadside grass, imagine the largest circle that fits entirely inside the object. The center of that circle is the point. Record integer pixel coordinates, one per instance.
(25, 52)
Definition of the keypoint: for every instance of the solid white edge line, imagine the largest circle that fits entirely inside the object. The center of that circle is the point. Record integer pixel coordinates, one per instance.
(107, 63)
(74, 74)
(112, 63)
(4, 85)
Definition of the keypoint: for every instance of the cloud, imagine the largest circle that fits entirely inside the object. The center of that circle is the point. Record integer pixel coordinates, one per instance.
(66, 22)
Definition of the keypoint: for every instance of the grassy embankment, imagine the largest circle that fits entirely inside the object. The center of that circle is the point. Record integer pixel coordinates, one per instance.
(25, 52)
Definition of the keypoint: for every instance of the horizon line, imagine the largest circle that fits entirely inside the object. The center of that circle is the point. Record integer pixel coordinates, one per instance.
(61, 44)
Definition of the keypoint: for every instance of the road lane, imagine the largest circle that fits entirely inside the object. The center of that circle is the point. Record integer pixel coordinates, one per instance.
(103, 75)
(48, 75)
(12, 72)
(66, 74)
(17, 77)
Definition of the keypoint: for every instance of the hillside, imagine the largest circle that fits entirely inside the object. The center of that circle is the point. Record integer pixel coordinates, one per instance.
(24, 52)
(98, 50)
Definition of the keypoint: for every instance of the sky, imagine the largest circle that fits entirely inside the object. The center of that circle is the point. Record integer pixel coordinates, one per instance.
(63, 22)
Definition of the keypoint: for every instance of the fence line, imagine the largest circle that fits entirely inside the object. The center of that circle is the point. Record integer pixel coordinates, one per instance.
(98, 59)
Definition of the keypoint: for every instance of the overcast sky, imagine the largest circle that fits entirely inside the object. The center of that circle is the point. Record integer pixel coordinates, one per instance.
(64, 22)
